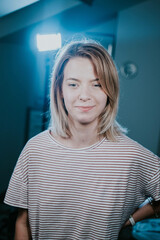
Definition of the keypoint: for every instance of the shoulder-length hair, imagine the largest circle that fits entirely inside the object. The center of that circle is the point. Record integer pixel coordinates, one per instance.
(106, 72)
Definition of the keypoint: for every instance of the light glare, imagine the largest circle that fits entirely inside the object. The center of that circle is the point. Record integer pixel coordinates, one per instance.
(110, 48)
(48, 42)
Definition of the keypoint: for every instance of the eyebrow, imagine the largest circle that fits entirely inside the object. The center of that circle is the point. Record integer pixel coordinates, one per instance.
(75, 79)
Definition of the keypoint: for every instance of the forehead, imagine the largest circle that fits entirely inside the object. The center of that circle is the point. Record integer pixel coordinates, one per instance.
(79, 66)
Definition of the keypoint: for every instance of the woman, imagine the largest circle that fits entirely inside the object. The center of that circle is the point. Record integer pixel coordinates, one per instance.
(82, 178)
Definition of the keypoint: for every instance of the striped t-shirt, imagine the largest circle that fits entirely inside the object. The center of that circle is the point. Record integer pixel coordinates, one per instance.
(87, 193)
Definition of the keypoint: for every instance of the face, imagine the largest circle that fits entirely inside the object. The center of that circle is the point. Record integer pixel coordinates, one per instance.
(83, 96)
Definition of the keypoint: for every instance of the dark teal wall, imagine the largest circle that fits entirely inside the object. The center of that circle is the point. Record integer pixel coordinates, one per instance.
(138, 40)
(22, 76)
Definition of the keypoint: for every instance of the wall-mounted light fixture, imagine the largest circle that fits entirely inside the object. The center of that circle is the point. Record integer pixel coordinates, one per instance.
(129, 70)
(49, 42)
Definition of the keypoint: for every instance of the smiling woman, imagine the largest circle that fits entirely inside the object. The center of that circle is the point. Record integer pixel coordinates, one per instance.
(83, 96)
(85, 62)
(83, 178)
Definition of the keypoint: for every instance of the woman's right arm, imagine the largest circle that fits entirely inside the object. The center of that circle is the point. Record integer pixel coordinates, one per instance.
(22, 228)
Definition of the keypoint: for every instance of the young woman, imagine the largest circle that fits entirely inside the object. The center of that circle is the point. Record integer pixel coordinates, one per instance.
(82, 178)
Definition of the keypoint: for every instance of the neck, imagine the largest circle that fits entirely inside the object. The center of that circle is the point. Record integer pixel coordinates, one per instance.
(84, 135)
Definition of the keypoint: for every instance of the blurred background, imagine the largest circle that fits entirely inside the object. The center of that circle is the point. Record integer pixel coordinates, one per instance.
(130, 30)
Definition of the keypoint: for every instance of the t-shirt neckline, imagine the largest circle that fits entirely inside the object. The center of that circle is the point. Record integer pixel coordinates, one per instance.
(74, 149)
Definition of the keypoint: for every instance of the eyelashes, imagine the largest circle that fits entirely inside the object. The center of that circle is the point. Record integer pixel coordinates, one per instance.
(75, 85)
(97, 85)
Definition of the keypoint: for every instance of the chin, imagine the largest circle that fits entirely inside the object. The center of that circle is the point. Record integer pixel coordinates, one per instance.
(85, 121)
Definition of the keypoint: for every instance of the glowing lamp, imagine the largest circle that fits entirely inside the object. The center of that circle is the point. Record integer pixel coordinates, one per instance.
(48, 42)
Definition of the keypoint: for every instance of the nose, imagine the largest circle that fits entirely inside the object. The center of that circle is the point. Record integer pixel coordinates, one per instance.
(84, 94)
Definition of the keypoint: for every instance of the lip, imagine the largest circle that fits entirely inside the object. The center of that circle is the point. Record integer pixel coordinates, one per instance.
(85, 109)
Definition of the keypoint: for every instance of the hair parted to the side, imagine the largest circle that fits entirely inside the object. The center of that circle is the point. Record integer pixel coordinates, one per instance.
(108, 77)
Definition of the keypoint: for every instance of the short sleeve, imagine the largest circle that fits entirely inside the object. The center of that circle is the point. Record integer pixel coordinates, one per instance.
(17, 192)
(153, 185)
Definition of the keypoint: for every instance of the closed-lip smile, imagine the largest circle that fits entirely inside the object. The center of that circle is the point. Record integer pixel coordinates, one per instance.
(85, 108)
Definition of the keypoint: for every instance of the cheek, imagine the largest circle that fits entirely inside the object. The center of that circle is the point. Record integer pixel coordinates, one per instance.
(68, 101)
(67, 98)
(103, 100)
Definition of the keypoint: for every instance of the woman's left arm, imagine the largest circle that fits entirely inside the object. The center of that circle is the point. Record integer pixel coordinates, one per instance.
(146, 211)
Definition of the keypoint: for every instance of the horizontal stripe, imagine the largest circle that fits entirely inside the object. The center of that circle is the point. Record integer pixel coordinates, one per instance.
(83, 193)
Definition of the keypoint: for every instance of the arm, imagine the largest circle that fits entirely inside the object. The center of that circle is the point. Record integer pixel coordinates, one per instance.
(22, 229)
(145, 212)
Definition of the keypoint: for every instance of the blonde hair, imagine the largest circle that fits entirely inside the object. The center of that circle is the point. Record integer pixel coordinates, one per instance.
(108, 77)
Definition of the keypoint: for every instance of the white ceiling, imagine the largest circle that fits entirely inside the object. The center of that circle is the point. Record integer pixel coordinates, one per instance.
(19, 14)
(31, 14)
(8, 6)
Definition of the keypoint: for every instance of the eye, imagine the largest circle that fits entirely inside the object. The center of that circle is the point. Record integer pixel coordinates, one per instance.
(97, 85)
(73, 85)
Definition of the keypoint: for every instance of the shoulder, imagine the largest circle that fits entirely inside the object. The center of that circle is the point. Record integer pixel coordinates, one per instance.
(125, 146)
(41, 138)
(139, 148)
(136, 150)
(38, 142)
